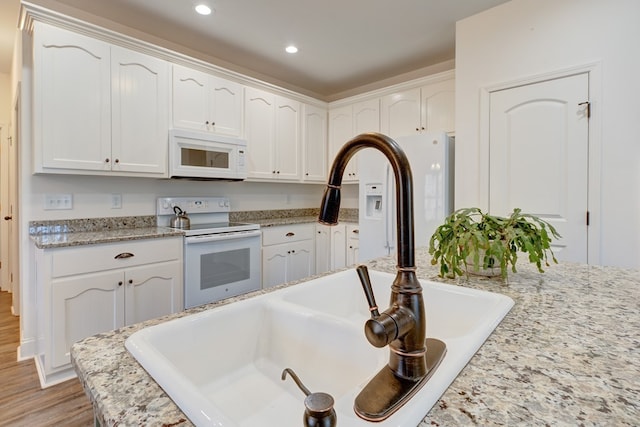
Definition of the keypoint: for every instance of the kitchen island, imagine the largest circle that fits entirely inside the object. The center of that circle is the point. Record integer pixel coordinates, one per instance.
(568, 353)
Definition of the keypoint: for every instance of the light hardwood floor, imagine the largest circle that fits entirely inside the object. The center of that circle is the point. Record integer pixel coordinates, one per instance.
(22, 401)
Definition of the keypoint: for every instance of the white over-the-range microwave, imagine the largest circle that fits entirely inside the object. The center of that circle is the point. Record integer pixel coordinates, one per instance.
(203, 155)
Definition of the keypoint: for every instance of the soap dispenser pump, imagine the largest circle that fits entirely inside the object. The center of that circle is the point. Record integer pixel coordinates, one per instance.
(319, 410)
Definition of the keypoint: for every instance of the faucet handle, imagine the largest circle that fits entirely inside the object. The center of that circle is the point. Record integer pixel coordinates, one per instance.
(363, 274)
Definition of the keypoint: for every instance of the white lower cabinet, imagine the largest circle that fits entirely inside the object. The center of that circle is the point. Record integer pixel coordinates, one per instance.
(288, 253)
(353, 243)
(336, 246)
(87, 290)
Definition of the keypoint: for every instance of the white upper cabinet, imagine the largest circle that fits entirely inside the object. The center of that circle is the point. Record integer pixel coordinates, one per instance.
(314, 144)
(72, 107)
(139, 112)
(424, 109)
(348, 122)
(288, 114)
(206, 102)
(99, 108)
(272, 130)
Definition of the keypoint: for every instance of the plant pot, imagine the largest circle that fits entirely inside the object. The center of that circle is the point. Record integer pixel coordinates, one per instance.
(492, 271)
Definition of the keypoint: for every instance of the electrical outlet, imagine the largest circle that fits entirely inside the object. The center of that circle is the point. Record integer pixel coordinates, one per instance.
(116, 201)
(58, 201)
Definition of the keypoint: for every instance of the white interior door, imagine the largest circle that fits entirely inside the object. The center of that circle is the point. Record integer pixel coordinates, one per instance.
(538, 157)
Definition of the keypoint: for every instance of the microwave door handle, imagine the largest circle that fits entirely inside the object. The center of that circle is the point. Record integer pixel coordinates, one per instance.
(222, 236)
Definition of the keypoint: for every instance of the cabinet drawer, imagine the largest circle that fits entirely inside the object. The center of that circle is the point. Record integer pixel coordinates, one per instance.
(99, 257)
(353, 231)
(286, 233)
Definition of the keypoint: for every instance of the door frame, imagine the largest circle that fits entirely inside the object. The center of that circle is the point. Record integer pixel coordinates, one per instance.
(594, 167)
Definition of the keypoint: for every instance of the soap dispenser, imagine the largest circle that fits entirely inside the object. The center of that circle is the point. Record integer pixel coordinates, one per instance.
(319, 410)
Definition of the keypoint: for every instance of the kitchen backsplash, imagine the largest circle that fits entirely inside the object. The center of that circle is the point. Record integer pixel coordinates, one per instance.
(114, 223)
(248, 216)
(90, 224)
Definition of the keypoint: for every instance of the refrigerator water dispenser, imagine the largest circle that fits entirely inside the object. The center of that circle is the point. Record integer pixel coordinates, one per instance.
(373, 201)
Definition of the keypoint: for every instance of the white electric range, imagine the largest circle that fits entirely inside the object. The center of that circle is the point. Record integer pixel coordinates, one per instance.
(221, 258)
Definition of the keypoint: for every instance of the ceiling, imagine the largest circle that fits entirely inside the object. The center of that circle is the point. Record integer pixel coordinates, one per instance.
(342, 44)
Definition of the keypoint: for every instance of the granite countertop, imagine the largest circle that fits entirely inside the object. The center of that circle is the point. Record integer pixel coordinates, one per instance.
(568, 353)
(78, 232)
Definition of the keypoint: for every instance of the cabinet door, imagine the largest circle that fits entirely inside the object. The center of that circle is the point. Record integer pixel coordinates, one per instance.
(340, 131)
(152, 291)
(225, 107)
(400, 113)
(338, 246)
(82, 306)
(323, 248)
(274, 265)
(315, 144)
(72, 117)
(366, 118)
(140, 112)
(353, 244)
(259, 130)
(190, 98)
(438, 106)
(301, 262)
(287, 134)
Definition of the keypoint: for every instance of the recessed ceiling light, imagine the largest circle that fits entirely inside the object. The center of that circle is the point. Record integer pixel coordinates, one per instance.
(291, 49)
(203, 9)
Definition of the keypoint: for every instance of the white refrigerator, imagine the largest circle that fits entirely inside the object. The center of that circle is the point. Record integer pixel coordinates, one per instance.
(431, 158)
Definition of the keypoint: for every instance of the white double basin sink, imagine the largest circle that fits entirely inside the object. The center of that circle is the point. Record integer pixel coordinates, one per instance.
(223, 366)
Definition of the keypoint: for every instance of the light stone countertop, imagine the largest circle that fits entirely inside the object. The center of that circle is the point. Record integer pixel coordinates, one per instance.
(78, 232)
(568, 353)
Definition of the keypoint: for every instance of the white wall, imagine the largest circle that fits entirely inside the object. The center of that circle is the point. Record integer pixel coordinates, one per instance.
(5, 98)
(92, 195)
(527, 38)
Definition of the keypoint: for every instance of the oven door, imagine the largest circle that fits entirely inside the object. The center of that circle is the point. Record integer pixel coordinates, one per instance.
(219, 266)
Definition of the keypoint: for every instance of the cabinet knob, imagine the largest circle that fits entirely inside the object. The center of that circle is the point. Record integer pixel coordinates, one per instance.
(117, 160)
(120, 283)
(290, 234)
(130, 281)
(106, 160)
(356, 231)
(273, 171)
(8, 218)
(417, 129)
(293, 251)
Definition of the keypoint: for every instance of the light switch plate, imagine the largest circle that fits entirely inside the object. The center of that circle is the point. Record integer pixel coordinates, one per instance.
(58, 201)
(116, 201)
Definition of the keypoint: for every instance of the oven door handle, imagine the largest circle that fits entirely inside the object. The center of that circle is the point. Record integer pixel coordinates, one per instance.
(221, 236)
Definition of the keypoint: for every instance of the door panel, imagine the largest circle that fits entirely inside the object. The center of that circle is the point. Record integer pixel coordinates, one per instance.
(538, 157)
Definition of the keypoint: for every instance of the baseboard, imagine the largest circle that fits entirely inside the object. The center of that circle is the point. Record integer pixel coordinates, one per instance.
(48, 380)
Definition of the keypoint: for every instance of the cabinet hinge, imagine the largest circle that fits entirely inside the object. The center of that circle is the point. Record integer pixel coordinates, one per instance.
(587, 218)
(587, 108)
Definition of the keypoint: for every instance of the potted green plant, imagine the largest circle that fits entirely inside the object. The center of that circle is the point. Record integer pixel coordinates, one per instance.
(474, 240)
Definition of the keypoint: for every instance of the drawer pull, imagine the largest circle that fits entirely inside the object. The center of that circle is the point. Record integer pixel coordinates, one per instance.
(290, 234)
(124, 255)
